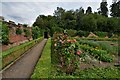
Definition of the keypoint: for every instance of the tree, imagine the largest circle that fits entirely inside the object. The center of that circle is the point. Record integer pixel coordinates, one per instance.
(89, 23)
(79, 13)
(115, 9)
(103, 9)
(89, 10)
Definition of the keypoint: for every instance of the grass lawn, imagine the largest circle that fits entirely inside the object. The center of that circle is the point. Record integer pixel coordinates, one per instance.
(9, 51)
(43, 67)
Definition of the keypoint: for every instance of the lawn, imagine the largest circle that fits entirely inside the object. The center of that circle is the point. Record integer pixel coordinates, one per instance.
(42, 69)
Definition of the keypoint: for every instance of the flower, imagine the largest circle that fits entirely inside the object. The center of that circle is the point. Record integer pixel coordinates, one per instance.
(62, 42)
(55, 44)
(68, 40)
(79, 52)
(74, 40)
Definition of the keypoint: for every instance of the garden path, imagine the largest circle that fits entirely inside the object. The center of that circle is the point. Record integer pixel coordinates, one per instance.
(24, 67)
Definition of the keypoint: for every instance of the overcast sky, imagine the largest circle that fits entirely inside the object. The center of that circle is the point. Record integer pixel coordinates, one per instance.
(21, 11)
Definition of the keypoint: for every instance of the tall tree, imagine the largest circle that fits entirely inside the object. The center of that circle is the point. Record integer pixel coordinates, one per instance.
(114, 9)
(103, 9)
(79, 13)
(89, 10)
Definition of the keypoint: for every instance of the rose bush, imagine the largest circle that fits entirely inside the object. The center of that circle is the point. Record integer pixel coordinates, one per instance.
(67, 52)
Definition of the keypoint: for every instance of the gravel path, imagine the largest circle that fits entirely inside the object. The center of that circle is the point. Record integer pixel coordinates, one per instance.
(24, 67)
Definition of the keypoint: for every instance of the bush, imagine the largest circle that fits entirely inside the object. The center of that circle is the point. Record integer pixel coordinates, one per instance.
(56, 29)
(82, 33)
(27, 32)
(5, 39)
(71, 32)
(66, 52)
(5, 32)
(37, 32)
(101, 34)
(18, 31)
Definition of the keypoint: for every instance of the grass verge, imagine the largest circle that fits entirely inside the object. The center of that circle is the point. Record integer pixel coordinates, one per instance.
(9, 51)
(43, 67)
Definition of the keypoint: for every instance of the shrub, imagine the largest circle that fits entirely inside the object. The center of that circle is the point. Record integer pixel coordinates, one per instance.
(27, 32)
(71, 32)
(101, 34)
(66, 52)
(5, 32)
(56, 29)
(37, 32)
(18, 31)
(82, 33)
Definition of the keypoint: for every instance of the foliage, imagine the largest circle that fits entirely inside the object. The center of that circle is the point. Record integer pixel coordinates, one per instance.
(95, 72)
(97, 53)
(5, 32)
(115, 10)
(36, 32)
(56, 30)
(67, 52)
(27, 32)
(101, 39)
(89, 23)
(82, 33)
(89, 10)
(78, 20)
(43, 69)
(104, 9)
(101, 34)
(104, 45)
(71, 32)
(18, 31)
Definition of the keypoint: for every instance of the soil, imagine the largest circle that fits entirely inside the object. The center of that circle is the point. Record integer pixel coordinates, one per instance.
(24, 67)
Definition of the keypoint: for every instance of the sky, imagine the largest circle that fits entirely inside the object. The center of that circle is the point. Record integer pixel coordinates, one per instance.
(26, 12)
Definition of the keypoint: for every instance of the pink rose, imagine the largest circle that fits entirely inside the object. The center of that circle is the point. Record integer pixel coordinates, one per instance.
(74, 40)
(79, 52)
(55, 44)
(68, 40)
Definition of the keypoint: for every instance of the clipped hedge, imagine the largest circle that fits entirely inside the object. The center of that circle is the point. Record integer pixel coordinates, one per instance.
(101, 39)
(13, 53)
(82, 33)
(101, 34)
